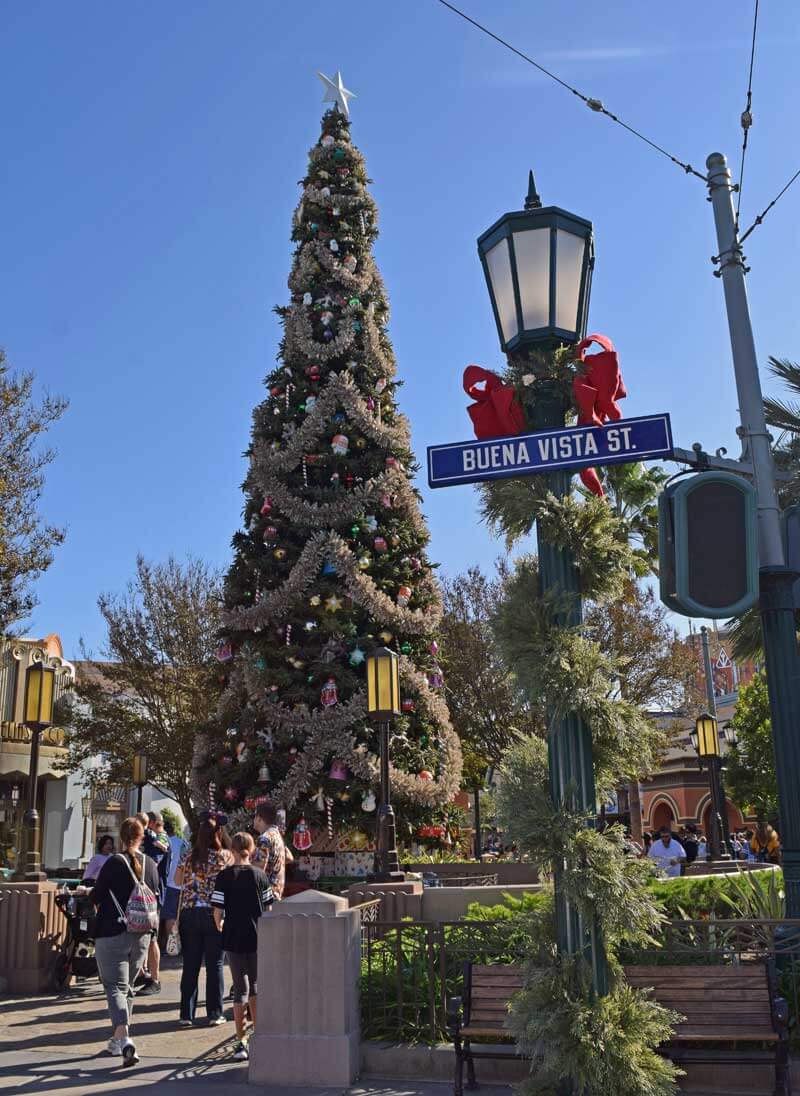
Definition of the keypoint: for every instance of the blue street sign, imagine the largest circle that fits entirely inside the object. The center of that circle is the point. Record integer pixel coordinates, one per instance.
(646, 438)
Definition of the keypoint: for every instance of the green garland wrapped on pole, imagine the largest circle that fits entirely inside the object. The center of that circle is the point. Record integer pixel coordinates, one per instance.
(587, 1032)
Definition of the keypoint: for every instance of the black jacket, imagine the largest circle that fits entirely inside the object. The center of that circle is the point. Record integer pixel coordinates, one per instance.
(115, 878)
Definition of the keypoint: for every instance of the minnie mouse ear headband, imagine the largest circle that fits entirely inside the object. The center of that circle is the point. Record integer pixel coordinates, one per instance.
(217, 817)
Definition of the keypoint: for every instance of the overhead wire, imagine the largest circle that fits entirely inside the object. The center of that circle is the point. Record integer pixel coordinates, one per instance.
(747, 113)
(764, 212)
(593, 104)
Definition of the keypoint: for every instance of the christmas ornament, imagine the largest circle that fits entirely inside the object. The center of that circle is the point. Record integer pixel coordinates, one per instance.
(307, 298)
(434, 648)
(350, 263)
(380, 384)
(326, 192)
(379, 544)
(313, 372)
(269, 534)
(355, 530)
(260, 664)
(395, 539)
(263, 774)
(333, 246)
(340, 443)
(356, 326)
(336, 93)
(266, 507)
(426, 775)
(386, 637)
(293, 752)
(364, 562)
(338, 770)
(250, 804)
(311, 403)
(326, 317)
(354, 302)
(224, 652)
(361, 443)
(333, 603)
(328, 568)
(408, 705)
(226, 760)
(436, 678)
(279, 554)
(327, 141)
(405, 648)
(386, 502)
(349, 479)
(329, 694)
(356, 656)
(368, 802)
(266, 736)
(301, 836)
(371, 522)
(318, 798)
(311, 625)
(403, 596)
(241, 751)
(496, 411)
(392, 462)
(315, 600)
(231, 794)
(416, 564)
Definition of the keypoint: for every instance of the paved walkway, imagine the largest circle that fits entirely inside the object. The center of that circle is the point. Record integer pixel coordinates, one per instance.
(53, 1045)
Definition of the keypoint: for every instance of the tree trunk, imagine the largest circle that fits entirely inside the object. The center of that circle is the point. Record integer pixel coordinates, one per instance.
(635, 809)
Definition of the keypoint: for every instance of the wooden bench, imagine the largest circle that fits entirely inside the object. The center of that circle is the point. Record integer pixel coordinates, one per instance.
(481, 1014)
(729, 1011)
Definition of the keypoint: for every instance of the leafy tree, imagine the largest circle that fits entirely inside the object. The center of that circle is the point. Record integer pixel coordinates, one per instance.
(655, 668)
(157, 686)
(750, 775)
(26, 541)
(332, 561)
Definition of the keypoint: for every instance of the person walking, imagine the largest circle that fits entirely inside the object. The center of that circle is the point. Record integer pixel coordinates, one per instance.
(121, 952)
(241, 894)
(201, 940)
(766, 844)
(155, 844)
(105, 848)
(177, 847)
(270, 854)
(668, 853)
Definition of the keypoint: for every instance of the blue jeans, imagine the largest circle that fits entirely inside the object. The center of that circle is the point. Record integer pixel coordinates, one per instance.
(200, 941)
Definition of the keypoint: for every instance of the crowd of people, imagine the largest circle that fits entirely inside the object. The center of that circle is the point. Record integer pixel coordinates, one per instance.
(673, 851)
(208, 893)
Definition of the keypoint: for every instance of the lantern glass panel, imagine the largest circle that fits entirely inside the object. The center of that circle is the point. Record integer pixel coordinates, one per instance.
(498, 263)
(39, 695)
(532, 251)
(569, 269)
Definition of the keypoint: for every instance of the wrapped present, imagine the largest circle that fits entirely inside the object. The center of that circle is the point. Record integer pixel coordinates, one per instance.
(314, 866)
(352, 863)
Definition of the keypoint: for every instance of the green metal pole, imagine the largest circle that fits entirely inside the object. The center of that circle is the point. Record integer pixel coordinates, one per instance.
(569, 739)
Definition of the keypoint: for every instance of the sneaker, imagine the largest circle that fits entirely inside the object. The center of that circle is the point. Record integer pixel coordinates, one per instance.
(183, 1022)
(129, 1055)
(149, 988)
(240, 1051)
(114, 1047)
(215, 1021)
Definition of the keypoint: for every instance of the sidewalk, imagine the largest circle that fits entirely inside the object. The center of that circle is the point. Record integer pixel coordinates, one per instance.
(53, 1045)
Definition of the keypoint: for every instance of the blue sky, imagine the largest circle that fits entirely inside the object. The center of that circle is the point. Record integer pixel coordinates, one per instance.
(151, 154)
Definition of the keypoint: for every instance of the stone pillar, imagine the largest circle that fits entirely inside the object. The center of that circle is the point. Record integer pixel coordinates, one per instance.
(31, 927)
(309, 958)
(398, 900)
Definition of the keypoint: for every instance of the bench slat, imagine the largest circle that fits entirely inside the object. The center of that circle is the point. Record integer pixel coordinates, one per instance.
(483, 1029)
(490, 993)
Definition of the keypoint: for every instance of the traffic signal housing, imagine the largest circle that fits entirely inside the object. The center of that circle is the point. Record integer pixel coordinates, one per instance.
(708, 545)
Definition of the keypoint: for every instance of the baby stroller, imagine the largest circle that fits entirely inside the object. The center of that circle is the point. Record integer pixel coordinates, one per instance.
(75, 957)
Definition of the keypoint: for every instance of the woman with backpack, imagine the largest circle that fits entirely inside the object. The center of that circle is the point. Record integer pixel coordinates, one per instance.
(201, 940)
(127, 911)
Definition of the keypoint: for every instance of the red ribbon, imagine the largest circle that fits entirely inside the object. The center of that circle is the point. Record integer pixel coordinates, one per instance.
(596, 391)
(496, 412)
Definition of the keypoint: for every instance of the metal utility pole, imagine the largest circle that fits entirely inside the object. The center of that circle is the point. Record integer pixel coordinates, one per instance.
(719, 843)
(776, 579)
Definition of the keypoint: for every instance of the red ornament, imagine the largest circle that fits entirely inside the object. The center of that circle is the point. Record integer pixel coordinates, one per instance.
(496, 411)
(266, 507)
(338, 770)
(329, 694)
(250, 804)
(349, 479)
(596, 392)
(379, 544)
(408, 705)
(231, 794)
(270, 532)
(426, 775)
(301, 837)
(403, 596)
(224, 652)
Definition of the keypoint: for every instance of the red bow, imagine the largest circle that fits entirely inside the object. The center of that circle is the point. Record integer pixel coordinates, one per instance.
(596, 392)
(496, 411)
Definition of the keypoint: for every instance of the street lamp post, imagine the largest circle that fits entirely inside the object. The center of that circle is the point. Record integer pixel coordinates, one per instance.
(538, 265)
(777, 601)
(712, 709)
(140, 762)
(39, 694)
(383, 704)
(705, 739)
(86, 811)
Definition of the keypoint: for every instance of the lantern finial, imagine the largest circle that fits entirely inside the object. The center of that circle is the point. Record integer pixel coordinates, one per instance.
(532, 201)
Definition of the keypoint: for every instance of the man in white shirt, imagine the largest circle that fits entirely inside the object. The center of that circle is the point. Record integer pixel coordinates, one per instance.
(667, 853)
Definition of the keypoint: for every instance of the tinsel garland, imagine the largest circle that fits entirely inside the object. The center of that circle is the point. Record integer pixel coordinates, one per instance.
(328, 547)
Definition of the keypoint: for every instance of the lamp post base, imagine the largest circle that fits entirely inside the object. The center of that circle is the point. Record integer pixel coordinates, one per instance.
(387, 863)
(30, 865)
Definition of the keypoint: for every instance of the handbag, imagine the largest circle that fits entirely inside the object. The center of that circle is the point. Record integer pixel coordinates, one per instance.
(173, 942)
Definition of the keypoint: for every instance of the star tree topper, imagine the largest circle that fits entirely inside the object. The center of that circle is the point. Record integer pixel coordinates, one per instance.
(336, 92)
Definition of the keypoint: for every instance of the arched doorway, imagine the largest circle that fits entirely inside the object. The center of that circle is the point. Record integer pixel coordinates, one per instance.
(735, 818)
(661, 815)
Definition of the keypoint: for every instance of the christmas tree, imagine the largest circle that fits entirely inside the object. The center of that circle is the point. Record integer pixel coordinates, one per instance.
(332, 560)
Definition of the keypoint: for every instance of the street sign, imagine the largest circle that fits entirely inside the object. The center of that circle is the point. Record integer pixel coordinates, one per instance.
(624, 442)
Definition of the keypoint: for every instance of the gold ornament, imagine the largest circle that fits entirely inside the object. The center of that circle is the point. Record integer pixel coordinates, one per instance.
(333, 604)
(315, 600)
